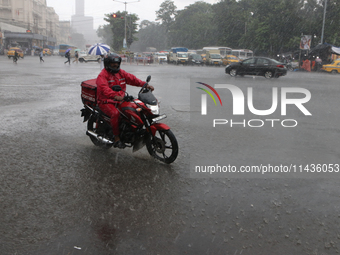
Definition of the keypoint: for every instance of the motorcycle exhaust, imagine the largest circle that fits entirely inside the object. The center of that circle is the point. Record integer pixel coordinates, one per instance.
(99, 138)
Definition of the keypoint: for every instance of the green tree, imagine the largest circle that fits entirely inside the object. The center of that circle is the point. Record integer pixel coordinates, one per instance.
(117, 27)
(332, 22)
(105, 32)
(193, 27)
(272, 26)
(150, 34)
(166, 14)
(229, 22)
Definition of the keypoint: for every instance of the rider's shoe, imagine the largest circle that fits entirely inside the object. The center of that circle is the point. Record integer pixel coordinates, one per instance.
(119, 144)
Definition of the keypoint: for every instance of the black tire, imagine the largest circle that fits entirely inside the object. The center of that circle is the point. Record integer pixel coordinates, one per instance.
(233, 72)
(91, 126)
(268, 74)
(164, 147)
(334, 71)
(81, 60)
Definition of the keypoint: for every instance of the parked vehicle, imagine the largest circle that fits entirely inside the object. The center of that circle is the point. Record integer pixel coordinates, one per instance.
(259, 66)
(213, 58)
(89, 58)
(178, 58)
(195, 59)
(11, 52)
(139, 124)
(160, 57)
(178, 55)
(203, 55)
(227, 60)
(333, 67)
(223, 51)
(242, 53)
(181, 58)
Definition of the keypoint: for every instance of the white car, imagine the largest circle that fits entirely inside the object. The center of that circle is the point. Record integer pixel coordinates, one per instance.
(82, 53)
(90, 58)
(160, 57)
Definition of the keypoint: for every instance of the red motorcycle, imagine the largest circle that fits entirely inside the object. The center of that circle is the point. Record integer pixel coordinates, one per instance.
(138, 124)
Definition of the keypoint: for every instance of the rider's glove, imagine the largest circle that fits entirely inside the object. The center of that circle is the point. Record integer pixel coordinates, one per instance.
(118, 98)
(150, 87)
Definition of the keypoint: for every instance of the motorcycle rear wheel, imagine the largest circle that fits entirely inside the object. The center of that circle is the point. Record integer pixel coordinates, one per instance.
(163, 147)
(92, 126)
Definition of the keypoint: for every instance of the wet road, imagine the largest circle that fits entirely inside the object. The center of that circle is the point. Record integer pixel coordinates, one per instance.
(62, 195)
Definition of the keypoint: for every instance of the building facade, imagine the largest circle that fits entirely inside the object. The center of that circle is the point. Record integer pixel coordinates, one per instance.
(65, 32)
(83, 24)
(29, 24)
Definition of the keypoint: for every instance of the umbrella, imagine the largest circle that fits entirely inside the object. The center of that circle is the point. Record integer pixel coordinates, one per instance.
(99, 49)
(68, 50)
(77, 50)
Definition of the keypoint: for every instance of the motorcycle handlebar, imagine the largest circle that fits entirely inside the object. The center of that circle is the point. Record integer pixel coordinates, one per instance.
(128, 98)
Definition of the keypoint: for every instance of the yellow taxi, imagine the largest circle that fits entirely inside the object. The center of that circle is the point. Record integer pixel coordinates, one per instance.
(47, 52)
(204, 57)
(11, 52)
(227, 60)
(333, 67)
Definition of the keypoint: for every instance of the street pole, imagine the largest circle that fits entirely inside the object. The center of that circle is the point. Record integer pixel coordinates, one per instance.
(323, 22)
(125, 17)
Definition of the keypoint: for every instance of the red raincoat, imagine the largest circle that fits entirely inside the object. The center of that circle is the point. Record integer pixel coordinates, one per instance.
(106, 80)
(105, 94)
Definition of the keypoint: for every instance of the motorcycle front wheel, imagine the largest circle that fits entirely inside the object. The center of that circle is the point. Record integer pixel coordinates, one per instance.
(163, 146)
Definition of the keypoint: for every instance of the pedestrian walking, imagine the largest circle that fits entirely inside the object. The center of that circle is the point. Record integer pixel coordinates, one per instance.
(101, 62)
(318, 63)
(68, 56)
(102, 57)
(41, 54)
(76, 56)
(16, 56)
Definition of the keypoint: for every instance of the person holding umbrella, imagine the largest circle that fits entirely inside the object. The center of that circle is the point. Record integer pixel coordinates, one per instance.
(41, 55)
(76, 56)
(68, 56)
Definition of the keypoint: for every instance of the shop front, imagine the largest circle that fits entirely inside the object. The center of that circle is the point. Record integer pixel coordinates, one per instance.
(27, 41)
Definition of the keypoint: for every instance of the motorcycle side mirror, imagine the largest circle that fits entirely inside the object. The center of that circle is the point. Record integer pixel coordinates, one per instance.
(116, 88)
(148, 78)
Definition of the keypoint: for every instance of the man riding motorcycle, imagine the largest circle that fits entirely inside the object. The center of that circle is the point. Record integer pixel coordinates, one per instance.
(107, 98)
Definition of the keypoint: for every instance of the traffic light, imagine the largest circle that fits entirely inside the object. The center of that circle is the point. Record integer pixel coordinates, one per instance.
(130, 40)
(116, 16)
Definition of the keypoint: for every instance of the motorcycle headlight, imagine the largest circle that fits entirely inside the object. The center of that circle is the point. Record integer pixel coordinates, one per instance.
(154, 108)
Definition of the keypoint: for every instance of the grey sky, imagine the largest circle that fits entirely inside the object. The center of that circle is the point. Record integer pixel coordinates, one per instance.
(145, 9)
